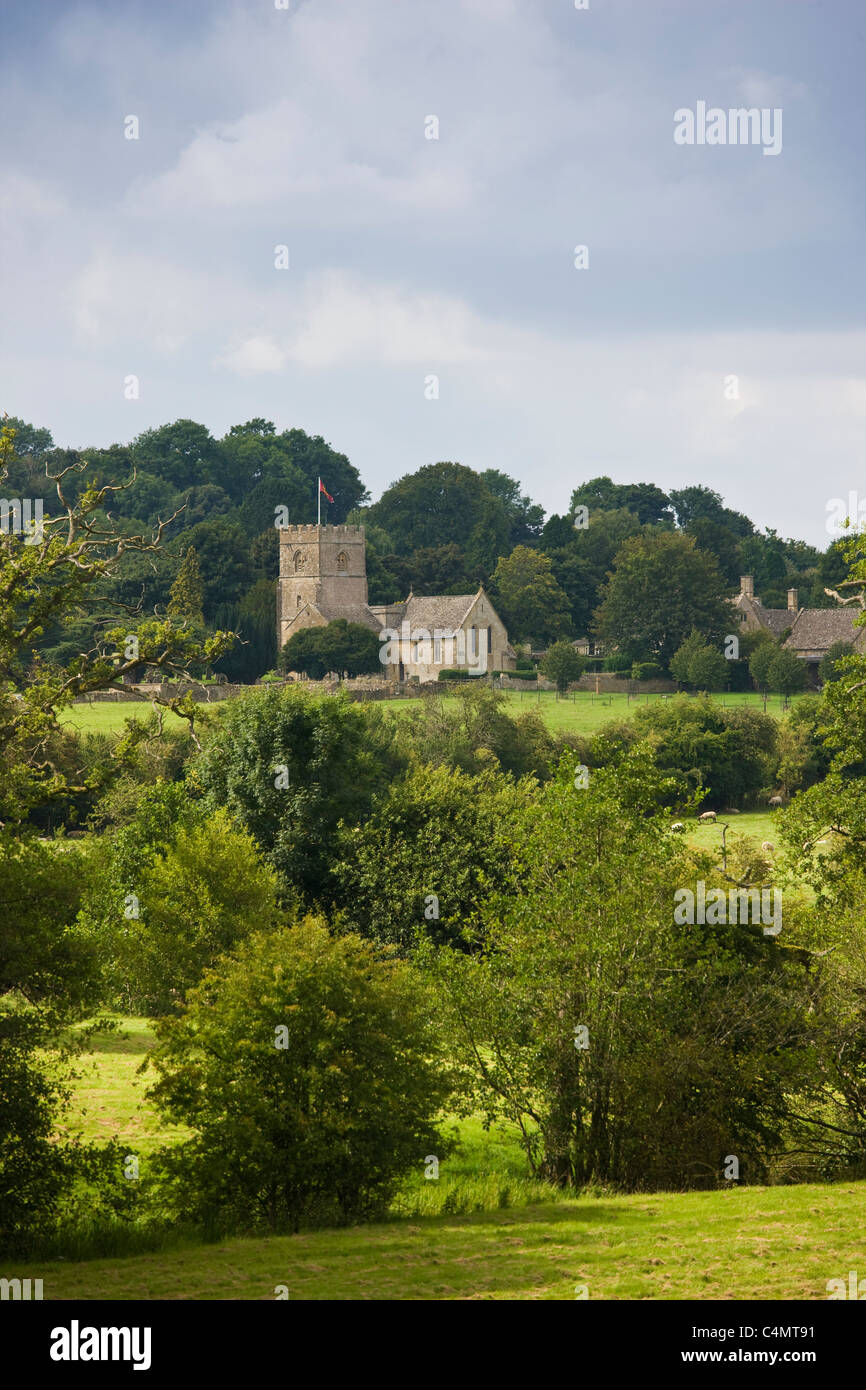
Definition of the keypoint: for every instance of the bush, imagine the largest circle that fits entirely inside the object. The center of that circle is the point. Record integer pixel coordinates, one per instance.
(617, 663)
(457, 673)
(646, 671)
(309, 1068)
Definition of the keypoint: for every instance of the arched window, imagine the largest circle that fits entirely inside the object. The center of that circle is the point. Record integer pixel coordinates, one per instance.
(342, 561)
(298, 604)
(298, 560)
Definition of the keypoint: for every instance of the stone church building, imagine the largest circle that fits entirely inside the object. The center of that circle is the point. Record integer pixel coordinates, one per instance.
(323, 576)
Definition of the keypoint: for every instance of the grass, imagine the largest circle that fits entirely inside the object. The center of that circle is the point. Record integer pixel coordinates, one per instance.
(109, 716)
(747, 1243)
(581, 712)
(108, 1095)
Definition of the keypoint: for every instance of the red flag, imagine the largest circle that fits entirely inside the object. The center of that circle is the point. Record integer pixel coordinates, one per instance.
(323, 489)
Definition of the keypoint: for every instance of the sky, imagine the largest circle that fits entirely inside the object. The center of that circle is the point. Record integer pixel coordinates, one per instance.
(432, 308)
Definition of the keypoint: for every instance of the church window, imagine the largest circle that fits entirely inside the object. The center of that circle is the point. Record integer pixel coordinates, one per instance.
(490, 639)
(298, 560)
(342, 561)
(437, 649)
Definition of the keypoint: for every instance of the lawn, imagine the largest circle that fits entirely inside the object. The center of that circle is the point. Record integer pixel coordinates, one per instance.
(109, 716)
(745, 1243)
(581, 712)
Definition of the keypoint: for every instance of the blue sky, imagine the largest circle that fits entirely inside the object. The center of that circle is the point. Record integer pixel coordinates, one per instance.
(453, 257)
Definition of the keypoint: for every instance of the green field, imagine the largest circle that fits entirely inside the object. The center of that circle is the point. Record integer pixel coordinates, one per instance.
(580, 712)
(492, 1234)
(748, 1243)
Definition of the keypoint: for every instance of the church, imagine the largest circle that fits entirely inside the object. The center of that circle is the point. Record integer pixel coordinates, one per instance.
(323, 576)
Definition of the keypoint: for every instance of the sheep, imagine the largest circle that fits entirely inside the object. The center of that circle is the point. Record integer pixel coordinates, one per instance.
(678, 828)
(776, 801)
(706, 817)
(768, 845)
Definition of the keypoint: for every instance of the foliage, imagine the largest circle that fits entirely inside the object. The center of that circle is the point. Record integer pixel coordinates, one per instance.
(528, 598)
(727, 752)
(474, 732)
(315, 1124)
(561, 664)
(432, 850)
(661, 588)
(289, 766)
(339, 646)
(691, 1035)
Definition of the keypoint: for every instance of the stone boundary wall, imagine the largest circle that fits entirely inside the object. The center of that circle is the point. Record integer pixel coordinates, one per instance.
(371, 689)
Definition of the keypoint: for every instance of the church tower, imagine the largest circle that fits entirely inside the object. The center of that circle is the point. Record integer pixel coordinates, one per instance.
(323, 576)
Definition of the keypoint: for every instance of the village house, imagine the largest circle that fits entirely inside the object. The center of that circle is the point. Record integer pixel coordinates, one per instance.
(808, 632)
(323, 576)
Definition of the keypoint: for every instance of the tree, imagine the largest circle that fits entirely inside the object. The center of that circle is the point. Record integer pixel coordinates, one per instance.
(625, 1049)
(441, 504)
(528, 598)
(661, 588)
(760, 659)
(192, 903)
(698, 665)
(340, 646)
(49, 975)
(187, 592)
(289, 766)
(309, 1069)
(423, 862)
(708, 670)
(647, 502)
(562, 664)
(475, 731)
(828, 665)
(786, 672)
(526, 516)
(728, 753)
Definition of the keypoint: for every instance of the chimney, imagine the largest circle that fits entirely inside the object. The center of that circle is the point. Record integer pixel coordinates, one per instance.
(747, 585)
(792, 601)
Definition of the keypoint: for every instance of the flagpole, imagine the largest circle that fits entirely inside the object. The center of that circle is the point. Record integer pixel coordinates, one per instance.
(319, 496)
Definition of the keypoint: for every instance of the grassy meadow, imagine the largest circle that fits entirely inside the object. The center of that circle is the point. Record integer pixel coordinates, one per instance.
(743, 1243)
(580, 712)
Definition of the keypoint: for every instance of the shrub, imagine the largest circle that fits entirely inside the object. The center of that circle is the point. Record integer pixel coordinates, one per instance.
(309, 1068)
(457, 673)
(646, 671)
(617, 663)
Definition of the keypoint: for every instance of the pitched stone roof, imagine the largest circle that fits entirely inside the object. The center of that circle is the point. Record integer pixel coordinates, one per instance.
(445, 611)
(776, 620)
(817, 629)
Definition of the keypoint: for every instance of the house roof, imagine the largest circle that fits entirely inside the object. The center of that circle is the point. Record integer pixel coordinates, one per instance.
(817, 629)
(776, 620)
(447, 611)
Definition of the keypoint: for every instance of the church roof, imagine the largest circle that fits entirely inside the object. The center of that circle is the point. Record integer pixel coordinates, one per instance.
(447, 611)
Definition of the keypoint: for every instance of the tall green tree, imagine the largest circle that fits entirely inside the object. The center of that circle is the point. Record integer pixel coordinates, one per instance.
(186, 599)
(661, 588)
(528, 598)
